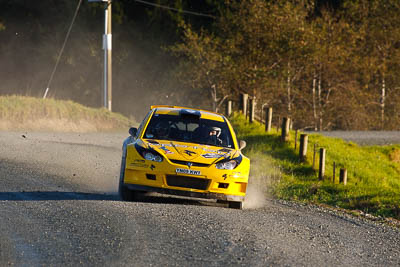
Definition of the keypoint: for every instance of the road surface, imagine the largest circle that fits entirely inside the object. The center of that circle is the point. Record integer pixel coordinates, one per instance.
(59, 207)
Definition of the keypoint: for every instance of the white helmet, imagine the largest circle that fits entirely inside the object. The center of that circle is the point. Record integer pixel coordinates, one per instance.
(217, 129)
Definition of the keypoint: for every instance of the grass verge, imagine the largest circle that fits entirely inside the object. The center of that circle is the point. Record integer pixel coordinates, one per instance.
(29, 113)
(373, 172)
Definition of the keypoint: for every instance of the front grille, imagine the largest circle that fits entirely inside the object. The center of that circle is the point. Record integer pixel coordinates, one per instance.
(187, 182)
(196, 164)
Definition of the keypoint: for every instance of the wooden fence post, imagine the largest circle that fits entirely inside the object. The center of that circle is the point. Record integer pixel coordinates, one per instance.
(322, 154)
(229, 108)
(268, 120)
(334, 173)
(295, 139)
(343, 176)
(243, 103)
(285, 129)
(252, 109)
(303, 147)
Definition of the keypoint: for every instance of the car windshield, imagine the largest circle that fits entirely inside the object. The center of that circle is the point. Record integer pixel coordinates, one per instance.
(193, 130)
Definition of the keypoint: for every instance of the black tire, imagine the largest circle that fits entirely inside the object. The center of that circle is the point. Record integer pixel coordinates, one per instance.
(124, 193)
(235, 205)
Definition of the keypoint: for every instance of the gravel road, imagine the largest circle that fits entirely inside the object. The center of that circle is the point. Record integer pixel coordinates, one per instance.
(59, 207)
(366, 137)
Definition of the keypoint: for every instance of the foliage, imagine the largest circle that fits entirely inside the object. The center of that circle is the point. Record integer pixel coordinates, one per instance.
(324, 67)
(373, 172)
(245, 52)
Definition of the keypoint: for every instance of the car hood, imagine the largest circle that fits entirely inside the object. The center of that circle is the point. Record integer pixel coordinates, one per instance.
(174, 150)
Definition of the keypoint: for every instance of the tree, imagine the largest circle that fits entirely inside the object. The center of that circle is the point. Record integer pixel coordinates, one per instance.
(252, 41)
(378, 49)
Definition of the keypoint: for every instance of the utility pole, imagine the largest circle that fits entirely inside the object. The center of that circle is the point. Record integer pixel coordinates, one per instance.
(107, 47)
(107, 57)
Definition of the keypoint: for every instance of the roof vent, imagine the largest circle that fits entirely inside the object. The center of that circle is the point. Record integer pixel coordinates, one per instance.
(190, 114)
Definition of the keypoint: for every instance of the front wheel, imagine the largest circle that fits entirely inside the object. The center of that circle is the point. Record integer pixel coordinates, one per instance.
(123, 192)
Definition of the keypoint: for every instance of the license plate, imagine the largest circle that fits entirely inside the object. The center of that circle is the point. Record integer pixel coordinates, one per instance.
(186, 171)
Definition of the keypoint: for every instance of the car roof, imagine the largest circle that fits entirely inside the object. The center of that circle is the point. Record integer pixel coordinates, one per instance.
(175, 110)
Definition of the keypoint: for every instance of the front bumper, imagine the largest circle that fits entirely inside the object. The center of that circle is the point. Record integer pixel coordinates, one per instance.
(207, 195)
(206, 186)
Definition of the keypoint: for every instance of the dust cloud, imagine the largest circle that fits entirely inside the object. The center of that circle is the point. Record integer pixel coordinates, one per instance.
(94, 160)
(88, 162)
(255, 197)
(263, 174)
(29, 46)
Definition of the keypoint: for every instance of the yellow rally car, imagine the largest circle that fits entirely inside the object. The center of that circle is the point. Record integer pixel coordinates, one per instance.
(186, 152)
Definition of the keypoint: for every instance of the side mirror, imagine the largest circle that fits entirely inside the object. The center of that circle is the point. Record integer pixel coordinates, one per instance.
(133, 131)
(242, 144)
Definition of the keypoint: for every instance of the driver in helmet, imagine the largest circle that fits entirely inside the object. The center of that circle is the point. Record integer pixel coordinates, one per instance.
(213, 135)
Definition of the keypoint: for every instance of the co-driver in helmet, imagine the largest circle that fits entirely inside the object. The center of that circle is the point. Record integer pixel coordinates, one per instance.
(161, 130)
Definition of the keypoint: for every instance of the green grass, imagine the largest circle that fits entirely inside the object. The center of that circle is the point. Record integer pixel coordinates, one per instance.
(373, 172)
(29, 113)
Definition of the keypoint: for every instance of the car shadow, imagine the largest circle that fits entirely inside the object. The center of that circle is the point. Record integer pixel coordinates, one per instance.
(54, 195)
(158, 198)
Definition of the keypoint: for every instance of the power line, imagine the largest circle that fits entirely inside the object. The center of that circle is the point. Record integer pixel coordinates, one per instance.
(139, 1)
(175, 9)
(62, 49)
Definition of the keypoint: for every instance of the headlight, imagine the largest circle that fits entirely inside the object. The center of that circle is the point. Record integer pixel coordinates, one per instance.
(149, 154)
(227, 165)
